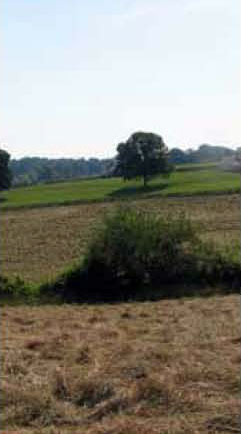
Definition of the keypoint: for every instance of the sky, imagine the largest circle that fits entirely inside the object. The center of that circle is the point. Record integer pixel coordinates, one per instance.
(78, 77)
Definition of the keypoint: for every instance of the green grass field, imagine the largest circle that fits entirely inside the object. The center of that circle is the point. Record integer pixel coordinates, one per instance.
(195, 166)
(190, 182)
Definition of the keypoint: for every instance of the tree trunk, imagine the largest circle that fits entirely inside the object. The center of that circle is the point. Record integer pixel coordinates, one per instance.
(145, 181)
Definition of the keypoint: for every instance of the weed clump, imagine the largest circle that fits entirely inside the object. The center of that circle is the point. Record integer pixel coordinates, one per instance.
(86, 392)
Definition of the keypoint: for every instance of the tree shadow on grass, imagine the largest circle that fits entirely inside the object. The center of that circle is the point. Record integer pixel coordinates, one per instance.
(2, 199)
(133, 192)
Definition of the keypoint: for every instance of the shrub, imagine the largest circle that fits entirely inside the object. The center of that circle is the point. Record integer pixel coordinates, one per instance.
(215, 265)
(15, 290)
(132, 250)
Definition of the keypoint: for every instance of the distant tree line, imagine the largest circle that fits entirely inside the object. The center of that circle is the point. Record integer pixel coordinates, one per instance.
(27, 171)
(204, 154)
(34, 170)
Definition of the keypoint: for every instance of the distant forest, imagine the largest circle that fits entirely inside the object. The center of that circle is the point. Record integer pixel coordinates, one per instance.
(34, 170)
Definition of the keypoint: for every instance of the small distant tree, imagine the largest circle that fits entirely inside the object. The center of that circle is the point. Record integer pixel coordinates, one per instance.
(143, 155)
(177, 156)
(5, 174)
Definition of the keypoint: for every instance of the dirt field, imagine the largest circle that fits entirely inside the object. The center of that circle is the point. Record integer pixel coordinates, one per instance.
(142, 368)
(38, 244)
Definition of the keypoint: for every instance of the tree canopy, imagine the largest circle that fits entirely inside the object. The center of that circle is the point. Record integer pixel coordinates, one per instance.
(142, 155)
(5, 174)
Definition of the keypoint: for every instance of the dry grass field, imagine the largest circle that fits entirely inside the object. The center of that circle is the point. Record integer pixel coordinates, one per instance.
(39, 243)
(143, 368)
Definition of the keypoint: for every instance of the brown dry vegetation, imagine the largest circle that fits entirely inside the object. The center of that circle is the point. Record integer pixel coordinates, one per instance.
(141, 368)
(38, 244)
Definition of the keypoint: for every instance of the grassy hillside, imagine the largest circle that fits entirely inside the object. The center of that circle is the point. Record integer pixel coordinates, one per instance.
(188, 182)
(169, 367)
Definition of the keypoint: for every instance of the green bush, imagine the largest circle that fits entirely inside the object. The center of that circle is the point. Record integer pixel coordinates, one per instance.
(132, 251)
(15, 290)
(217, 265)
(136, 248)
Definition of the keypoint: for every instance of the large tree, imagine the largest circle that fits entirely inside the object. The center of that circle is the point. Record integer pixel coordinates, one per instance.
(142, 155)
(5, 174)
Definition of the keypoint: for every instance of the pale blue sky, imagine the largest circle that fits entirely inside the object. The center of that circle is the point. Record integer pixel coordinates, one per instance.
(79, 76)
